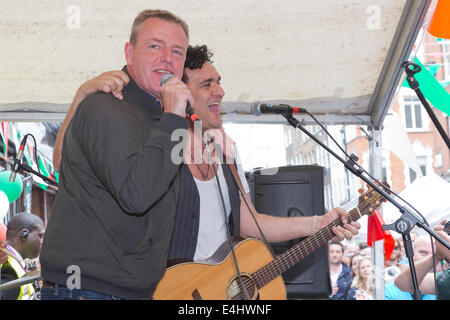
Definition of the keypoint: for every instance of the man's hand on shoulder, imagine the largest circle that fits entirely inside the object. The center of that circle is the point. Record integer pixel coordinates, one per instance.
(110, 81)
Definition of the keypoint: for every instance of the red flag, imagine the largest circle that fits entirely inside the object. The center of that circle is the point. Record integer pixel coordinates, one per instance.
(375, 232)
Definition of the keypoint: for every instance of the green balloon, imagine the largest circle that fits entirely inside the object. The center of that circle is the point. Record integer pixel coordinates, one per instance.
(12, 190)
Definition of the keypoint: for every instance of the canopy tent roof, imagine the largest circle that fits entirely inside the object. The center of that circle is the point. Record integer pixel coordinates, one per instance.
(339, 59)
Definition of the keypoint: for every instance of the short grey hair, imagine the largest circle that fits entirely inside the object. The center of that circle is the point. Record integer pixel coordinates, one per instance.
(160, 14)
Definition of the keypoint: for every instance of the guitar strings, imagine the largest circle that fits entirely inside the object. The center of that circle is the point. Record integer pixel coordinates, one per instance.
(270, 267)
(271, 270)
(318, 238)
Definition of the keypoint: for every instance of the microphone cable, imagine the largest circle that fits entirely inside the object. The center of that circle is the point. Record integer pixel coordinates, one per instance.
(230, 241)
(387, 189)
(362, 169)
(25, 138)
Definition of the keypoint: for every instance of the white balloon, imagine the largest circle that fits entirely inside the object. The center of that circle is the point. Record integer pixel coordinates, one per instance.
(4, 205)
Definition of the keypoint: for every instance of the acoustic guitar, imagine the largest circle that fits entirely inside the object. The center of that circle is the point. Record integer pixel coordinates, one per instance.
(260, 272)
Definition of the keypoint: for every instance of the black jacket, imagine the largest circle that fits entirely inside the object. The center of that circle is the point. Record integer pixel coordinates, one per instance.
(115, 208)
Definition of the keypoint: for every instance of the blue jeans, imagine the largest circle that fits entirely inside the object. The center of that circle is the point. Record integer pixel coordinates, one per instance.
(59, 292)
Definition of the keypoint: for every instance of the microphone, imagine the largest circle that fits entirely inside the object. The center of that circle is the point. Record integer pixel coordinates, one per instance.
(189, 110)
(259, 108)
(18, 159)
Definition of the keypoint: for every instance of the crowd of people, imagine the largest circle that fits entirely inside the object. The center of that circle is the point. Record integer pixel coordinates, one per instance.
(350, 265)
(352, 273)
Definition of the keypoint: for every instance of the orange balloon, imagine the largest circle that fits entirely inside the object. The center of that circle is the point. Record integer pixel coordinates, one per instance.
(2, 232)
(440, 22)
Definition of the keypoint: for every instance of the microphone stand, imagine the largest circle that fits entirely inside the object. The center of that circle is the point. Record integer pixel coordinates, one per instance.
(403, 225)
(30, 170)
(413, 84)
(19, 165)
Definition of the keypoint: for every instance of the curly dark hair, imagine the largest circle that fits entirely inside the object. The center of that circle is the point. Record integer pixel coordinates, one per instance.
(195, 58)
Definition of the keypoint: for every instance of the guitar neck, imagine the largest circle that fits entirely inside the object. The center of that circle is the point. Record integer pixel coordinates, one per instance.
(298, 252)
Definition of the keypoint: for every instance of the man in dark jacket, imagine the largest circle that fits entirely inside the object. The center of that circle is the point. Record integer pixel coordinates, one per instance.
(109, 232)
(340, 273)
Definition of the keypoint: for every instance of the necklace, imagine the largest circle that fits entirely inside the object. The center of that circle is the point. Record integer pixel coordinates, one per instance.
(204, 176)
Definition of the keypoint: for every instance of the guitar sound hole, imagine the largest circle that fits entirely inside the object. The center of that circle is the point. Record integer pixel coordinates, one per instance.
(234, 288)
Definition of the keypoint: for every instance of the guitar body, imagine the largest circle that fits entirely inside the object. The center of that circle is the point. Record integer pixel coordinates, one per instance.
(216, 279)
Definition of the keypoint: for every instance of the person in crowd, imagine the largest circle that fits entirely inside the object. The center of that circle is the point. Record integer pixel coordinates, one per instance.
(340, 273)
(422, 250)
(403, 263)
(362, 287)
(394, 267)
(425, 278)
(24, 236)
(354, 261)
(367, 252)
(353, 264)
(350, 249)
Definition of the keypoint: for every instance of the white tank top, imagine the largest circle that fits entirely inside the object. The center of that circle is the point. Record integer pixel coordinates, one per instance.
(212, 228)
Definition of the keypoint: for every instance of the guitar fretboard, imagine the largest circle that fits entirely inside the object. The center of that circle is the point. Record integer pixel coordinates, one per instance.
(298, 252)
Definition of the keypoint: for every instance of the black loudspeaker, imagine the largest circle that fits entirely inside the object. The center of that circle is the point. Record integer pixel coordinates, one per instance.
(289, 192)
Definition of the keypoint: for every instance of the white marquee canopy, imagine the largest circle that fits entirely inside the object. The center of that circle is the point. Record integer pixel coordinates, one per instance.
(339, 59)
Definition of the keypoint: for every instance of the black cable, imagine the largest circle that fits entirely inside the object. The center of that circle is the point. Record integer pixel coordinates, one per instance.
(230, 241)
(35, 151)
(433, 254)
(389, 190)
(364, 171)
(30, 170)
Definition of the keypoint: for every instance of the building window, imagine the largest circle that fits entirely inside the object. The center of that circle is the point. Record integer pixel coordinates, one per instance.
(438, 160)
(446, 58)
(412, 175)
(422, 161)
(413, 112)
